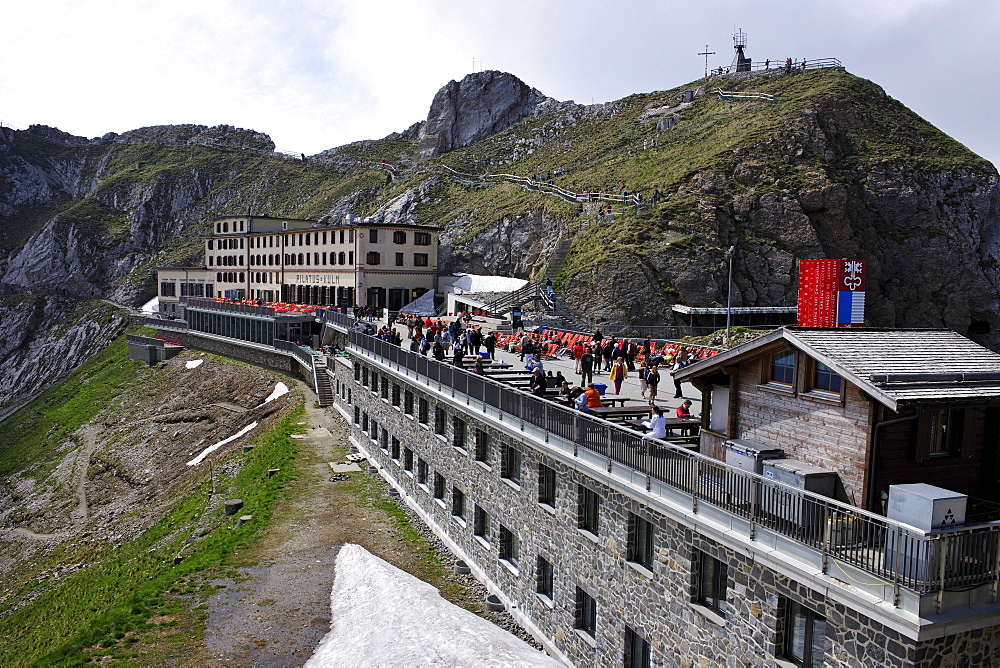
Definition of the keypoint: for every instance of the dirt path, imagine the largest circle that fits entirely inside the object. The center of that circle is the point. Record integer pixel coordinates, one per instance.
(278, 608)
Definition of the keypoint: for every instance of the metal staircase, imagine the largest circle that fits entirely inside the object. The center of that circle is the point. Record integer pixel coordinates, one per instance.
(321, 381)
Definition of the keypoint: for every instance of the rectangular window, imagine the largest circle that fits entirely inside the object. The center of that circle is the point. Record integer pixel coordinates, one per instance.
(782, 368)
(825, 379)
(586, 613)
(459, 431)
(805, 641)
(420, 259)
(457, 502)
(383, 441)
(357, 415)
(510, 463)
(385, 387)
(510, 546)
(636, 650)
(481, 527)
(942, 431)
(395, 394)
(364, 376)
(364, 422)
(399, 237)
(394, 450)
(374, 430)
(408, 402)
(484, 446)
(546, 485)
(421, 471)
(421, 238)
(424, 411)
(399, 259)
(712, 578)
(640, 541)
(590, 504)
(543, 578)
(168, 289)
(407, 459)
(373, 236)
(373, 258)
(440, 421)
(439, 486)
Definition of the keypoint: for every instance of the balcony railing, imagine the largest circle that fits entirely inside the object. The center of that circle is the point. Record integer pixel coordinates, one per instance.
(901, 555)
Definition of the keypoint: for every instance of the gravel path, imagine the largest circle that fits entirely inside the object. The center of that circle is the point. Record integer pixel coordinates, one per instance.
(276, 609)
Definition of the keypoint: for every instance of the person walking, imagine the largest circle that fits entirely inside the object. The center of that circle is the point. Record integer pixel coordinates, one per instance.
(618, 374)
(490, 343)
(643, 386)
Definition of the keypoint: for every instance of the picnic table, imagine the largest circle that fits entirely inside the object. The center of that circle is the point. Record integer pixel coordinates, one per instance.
(609, 412)
(686, 426)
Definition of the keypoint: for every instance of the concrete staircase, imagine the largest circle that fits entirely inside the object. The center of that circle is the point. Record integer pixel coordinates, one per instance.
(321, 381)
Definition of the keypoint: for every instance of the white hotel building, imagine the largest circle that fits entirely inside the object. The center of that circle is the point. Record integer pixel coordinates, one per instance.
(304, 262)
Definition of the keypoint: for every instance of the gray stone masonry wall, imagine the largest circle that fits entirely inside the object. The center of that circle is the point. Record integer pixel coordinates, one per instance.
(244, 353)
(657, 603)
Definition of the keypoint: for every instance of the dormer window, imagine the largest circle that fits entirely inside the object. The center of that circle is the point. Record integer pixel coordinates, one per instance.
(825, 379)
(782, 368)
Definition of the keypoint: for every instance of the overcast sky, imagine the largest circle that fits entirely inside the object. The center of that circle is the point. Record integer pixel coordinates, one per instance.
(314, 74)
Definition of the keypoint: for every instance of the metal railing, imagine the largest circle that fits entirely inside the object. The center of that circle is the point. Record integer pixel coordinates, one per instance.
(230, 307)
(165, 323)
(297, 352)
(902, 556)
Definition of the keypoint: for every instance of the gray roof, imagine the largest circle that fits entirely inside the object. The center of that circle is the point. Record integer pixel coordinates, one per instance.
(895, 366)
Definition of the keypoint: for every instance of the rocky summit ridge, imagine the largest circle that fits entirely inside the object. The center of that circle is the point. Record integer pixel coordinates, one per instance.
(816, 164)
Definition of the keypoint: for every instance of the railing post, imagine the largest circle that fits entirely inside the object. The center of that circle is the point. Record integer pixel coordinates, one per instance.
(942, 567)
(897, 574)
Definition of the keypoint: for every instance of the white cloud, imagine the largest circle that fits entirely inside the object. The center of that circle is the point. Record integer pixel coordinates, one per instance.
(316, 74)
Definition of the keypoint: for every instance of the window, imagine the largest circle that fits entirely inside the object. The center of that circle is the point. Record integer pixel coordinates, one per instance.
(424, 411)
(422, 238)
(484, 446)
(586, 613)
(481, 527)
(510, 546)
(457, 502)
(372, 257)
(782, 368)
(590, 504)
(383, 441)
(357, 415)
(407, 459)
(440, 421)
(636, 650)
(168, 289)
(373, 236)
(420, 259)
(385, 387)
(546, 485)
(940, 432)
(399, 259)
(640, 541)
(394, 451)
(805, 636)
(364, 423)
(543, 578)
(408, 402)
(825, 379)
(395, 394)
(510, 464)
(459, 431)
(439, 486)
(399, 237)
(374, 430)
(712, 577)
(421, 471)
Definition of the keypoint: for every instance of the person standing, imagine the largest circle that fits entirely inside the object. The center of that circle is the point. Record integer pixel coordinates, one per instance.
(586, 367)
(631, 351)
(618, 374)
(490, 343)
(653, 381)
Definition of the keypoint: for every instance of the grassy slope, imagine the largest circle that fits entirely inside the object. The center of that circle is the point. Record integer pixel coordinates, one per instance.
(108, 606)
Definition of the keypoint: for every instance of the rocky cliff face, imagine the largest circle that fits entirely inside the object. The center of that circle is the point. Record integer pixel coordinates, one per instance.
(476, 107)
(44, 338)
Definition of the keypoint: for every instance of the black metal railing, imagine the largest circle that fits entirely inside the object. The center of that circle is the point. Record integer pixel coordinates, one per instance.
(901, 555)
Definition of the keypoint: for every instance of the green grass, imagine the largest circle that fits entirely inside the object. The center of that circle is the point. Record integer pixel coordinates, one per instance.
(107, 609)
(29, 439)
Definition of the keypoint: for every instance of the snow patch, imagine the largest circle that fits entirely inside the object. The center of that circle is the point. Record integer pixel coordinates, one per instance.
(483, 283)
(194, 364)
(212, 448)
(279, 391)
(383, 616)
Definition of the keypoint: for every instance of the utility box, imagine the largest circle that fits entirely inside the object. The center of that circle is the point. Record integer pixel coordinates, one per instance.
(791, 506)
(747, 455)
(928, 508)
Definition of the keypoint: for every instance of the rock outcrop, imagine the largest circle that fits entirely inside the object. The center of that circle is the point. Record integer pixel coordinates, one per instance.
(476, 107)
